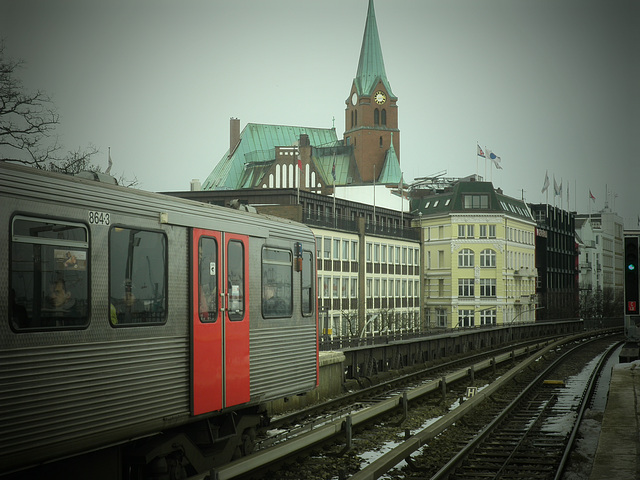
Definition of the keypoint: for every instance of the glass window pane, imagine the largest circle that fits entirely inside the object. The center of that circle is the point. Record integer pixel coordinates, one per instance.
(277, 296)
(308, 292)
(49, 280)
(137, 276)
(208, 279)
(235, 280)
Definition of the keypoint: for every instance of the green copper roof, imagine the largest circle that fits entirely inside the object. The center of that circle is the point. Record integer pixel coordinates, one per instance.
(452, 201)
(257, 144)
(371, 65)
(390, 173)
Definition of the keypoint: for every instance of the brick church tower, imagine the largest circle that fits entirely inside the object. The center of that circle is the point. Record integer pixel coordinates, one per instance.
(371, 116)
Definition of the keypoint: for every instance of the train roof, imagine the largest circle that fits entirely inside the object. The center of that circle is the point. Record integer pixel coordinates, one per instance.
(21, 182)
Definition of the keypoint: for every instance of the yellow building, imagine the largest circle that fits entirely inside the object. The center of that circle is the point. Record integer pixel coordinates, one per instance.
(478, 256)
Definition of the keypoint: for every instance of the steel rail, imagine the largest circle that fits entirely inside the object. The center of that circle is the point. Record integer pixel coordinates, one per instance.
(388, 460)
(263, 458)
(588, 393)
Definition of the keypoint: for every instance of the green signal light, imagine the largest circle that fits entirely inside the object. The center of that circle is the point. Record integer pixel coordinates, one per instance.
(631, 267)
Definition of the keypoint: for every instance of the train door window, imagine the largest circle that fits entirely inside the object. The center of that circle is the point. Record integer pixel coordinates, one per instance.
(308, 292)
(208, 279)
(235, 280)
(137, 277)
(277, 298)
(49, 277)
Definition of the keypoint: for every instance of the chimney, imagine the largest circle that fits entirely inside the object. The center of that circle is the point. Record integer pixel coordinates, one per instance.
(234, 136)
(196, 186)
(304, 140)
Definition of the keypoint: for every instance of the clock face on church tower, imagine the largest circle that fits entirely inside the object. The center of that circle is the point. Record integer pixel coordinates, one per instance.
(379, 97)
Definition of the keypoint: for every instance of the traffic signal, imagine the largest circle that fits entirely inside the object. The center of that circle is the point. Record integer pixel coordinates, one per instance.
(631, 271)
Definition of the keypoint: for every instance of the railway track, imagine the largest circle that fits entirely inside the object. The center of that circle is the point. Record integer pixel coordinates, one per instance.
(522, 426)
(345, 454)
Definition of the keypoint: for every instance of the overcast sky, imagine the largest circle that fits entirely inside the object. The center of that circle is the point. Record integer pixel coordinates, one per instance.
(548, 85)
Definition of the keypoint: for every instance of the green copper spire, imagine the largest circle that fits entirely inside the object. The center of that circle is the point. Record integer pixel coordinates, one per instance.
(371, 64)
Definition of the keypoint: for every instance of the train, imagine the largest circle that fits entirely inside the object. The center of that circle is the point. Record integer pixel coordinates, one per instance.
(142, 335)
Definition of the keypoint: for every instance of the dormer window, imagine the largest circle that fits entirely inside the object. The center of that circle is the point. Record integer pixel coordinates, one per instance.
(476, 201)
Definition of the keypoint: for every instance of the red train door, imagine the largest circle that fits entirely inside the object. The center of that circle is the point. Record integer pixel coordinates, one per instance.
(236, 321)
(220, 320)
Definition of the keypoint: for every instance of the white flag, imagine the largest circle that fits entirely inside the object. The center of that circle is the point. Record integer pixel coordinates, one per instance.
(494, 158)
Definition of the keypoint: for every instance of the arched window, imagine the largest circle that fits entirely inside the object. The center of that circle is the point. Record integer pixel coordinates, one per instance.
(488, 258)
(351, 118)
(384, 117)
(356, 118)
(376, 117)
(380, 142)
(465, 258)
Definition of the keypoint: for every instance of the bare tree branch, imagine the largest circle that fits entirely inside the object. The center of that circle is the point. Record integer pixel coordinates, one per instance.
(27, 128)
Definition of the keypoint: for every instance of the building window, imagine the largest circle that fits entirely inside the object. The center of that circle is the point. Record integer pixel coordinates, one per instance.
(369, 252)
(466, 231)
(441, 317)
(465, 258)
(369, 285)
(488, 258)
(441, 259)
(327, 248)
(336, 249)
(376, 117)
(465, 287)
(345, 250)
(466, 318)
(475, 201)
(488, 317)
(354, 287)
(441, 287)
(487, 287)
(492, 231)
(384, 117)
(354, 251)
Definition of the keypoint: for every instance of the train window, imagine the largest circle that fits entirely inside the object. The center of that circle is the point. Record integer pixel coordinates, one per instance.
(308, 292)
(235, 280)
(277, 299)
(208, 279)
(137, 277)
(49, 279)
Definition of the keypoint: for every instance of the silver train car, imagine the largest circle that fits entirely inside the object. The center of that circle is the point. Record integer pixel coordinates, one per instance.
(142, 334)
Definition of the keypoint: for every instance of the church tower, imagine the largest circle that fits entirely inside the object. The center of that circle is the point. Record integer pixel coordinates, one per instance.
(371, 116)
